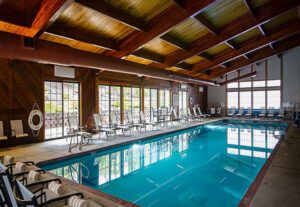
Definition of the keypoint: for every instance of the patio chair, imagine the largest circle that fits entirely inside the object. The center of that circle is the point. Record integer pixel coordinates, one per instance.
(262, 113)
(249, 113)
(2, 136)
(175, 117)
(99, 127)
(189, 113)
(241, 112)
(231, 112)
(185, 115)
(131, 122)
(17, 129)
(117, 126)
(145, 122)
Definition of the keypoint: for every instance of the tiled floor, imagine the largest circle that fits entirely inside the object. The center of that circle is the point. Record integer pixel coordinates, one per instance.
(280, 186)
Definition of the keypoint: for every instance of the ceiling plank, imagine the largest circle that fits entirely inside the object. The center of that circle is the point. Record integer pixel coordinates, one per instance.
(98, 41)
(255, 43)
(115, 13)
(239, 26)
(260, 55)
(47, 9)
(159, 25)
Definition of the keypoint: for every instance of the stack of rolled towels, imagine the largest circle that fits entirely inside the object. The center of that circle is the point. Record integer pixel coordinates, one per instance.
(8, 160)
(56, 188)
(34, 175)
(75, 201)
(21, 166)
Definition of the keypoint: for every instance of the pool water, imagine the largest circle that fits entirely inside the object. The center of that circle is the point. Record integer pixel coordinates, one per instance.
(210, 165)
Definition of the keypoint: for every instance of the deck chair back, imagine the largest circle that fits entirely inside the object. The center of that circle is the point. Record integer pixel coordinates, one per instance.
(97, 120)
(195, 111)
(73, 123)
(17, 126)
(7, 191)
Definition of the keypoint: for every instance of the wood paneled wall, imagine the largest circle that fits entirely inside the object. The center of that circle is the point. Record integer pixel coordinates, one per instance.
(22, 85)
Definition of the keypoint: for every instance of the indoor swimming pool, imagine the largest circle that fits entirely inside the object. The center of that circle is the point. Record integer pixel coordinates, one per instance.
(209, 165)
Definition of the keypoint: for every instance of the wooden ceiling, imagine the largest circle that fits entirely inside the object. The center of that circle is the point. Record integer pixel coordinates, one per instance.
(204, 39)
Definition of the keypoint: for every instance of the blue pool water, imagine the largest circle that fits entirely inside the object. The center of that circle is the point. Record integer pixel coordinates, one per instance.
(211, 165)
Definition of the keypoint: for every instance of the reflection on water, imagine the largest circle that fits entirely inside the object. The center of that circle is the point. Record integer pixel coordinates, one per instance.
(193, 166)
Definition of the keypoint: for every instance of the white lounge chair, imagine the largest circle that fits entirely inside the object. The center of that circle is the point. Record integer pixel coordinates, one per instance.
(281, 114)
(219, 111)
(262, 113)
(145, 122)
(131, 122)
(201, 114)
(271, 113)
(117, 126)
(231, 112)
(2, 136)
(241, 112)
(189, 113)
(249, 113)
(196, 114)
(175, 117)
(99, 127)
(17, 129)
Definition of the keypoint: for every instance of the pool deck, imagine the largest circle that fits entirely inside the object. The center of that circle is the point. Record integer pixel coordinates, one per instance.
(279, 186)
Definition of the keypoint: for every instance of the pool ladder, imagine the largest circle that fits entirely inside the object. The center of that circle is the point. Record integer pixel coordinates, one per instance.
(72, 169)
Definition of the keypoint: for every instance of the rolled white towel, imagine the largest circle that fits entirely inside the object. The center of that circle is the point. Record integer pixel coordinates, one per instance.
(8, 159)
(56, 188)
(21, 166)
(75, 201)
(34, 175)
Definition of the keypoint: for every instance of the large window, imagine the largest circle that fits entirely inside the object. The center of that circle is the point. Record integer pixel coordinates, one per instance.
(164, 98)
(182, 100)
(109, 101)
(259, 99)
(232, 99)
(61, 101)
(245, 99)
(273, 99)
(265, 94)
(150, 99)
(132, 101)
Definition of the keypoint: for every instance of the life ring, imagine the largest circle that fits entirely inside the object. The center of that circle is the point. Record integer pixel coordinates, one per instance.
(33, 113)
(191, 100)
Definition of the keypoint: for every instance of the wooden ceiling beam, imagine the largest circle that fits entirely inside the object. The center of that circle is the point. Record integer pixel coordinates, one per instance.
(260, 55)
(209, 26)
(175, 42)
(159, 25)
(98, 41)
(239, 78)
(255, 43)
(47, 9)
(148, 55)
(115, 13)
(237, 27)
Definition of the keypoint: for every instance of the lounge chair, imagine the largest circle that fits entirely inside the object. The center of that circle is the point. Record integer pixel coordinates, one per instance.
(262, 113)
(189, 113)
(99, 127)
(281, 114)
(219, 111)
(117, 126)
(231, 112)
(2, 136)
(271, 113)
(249, 113)
(201, 114)
(175, 117)
(198, 116)
(17, 129)
(44, 196)
(185, 115)
(131, 122)
(144, 121)
(241, 112)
